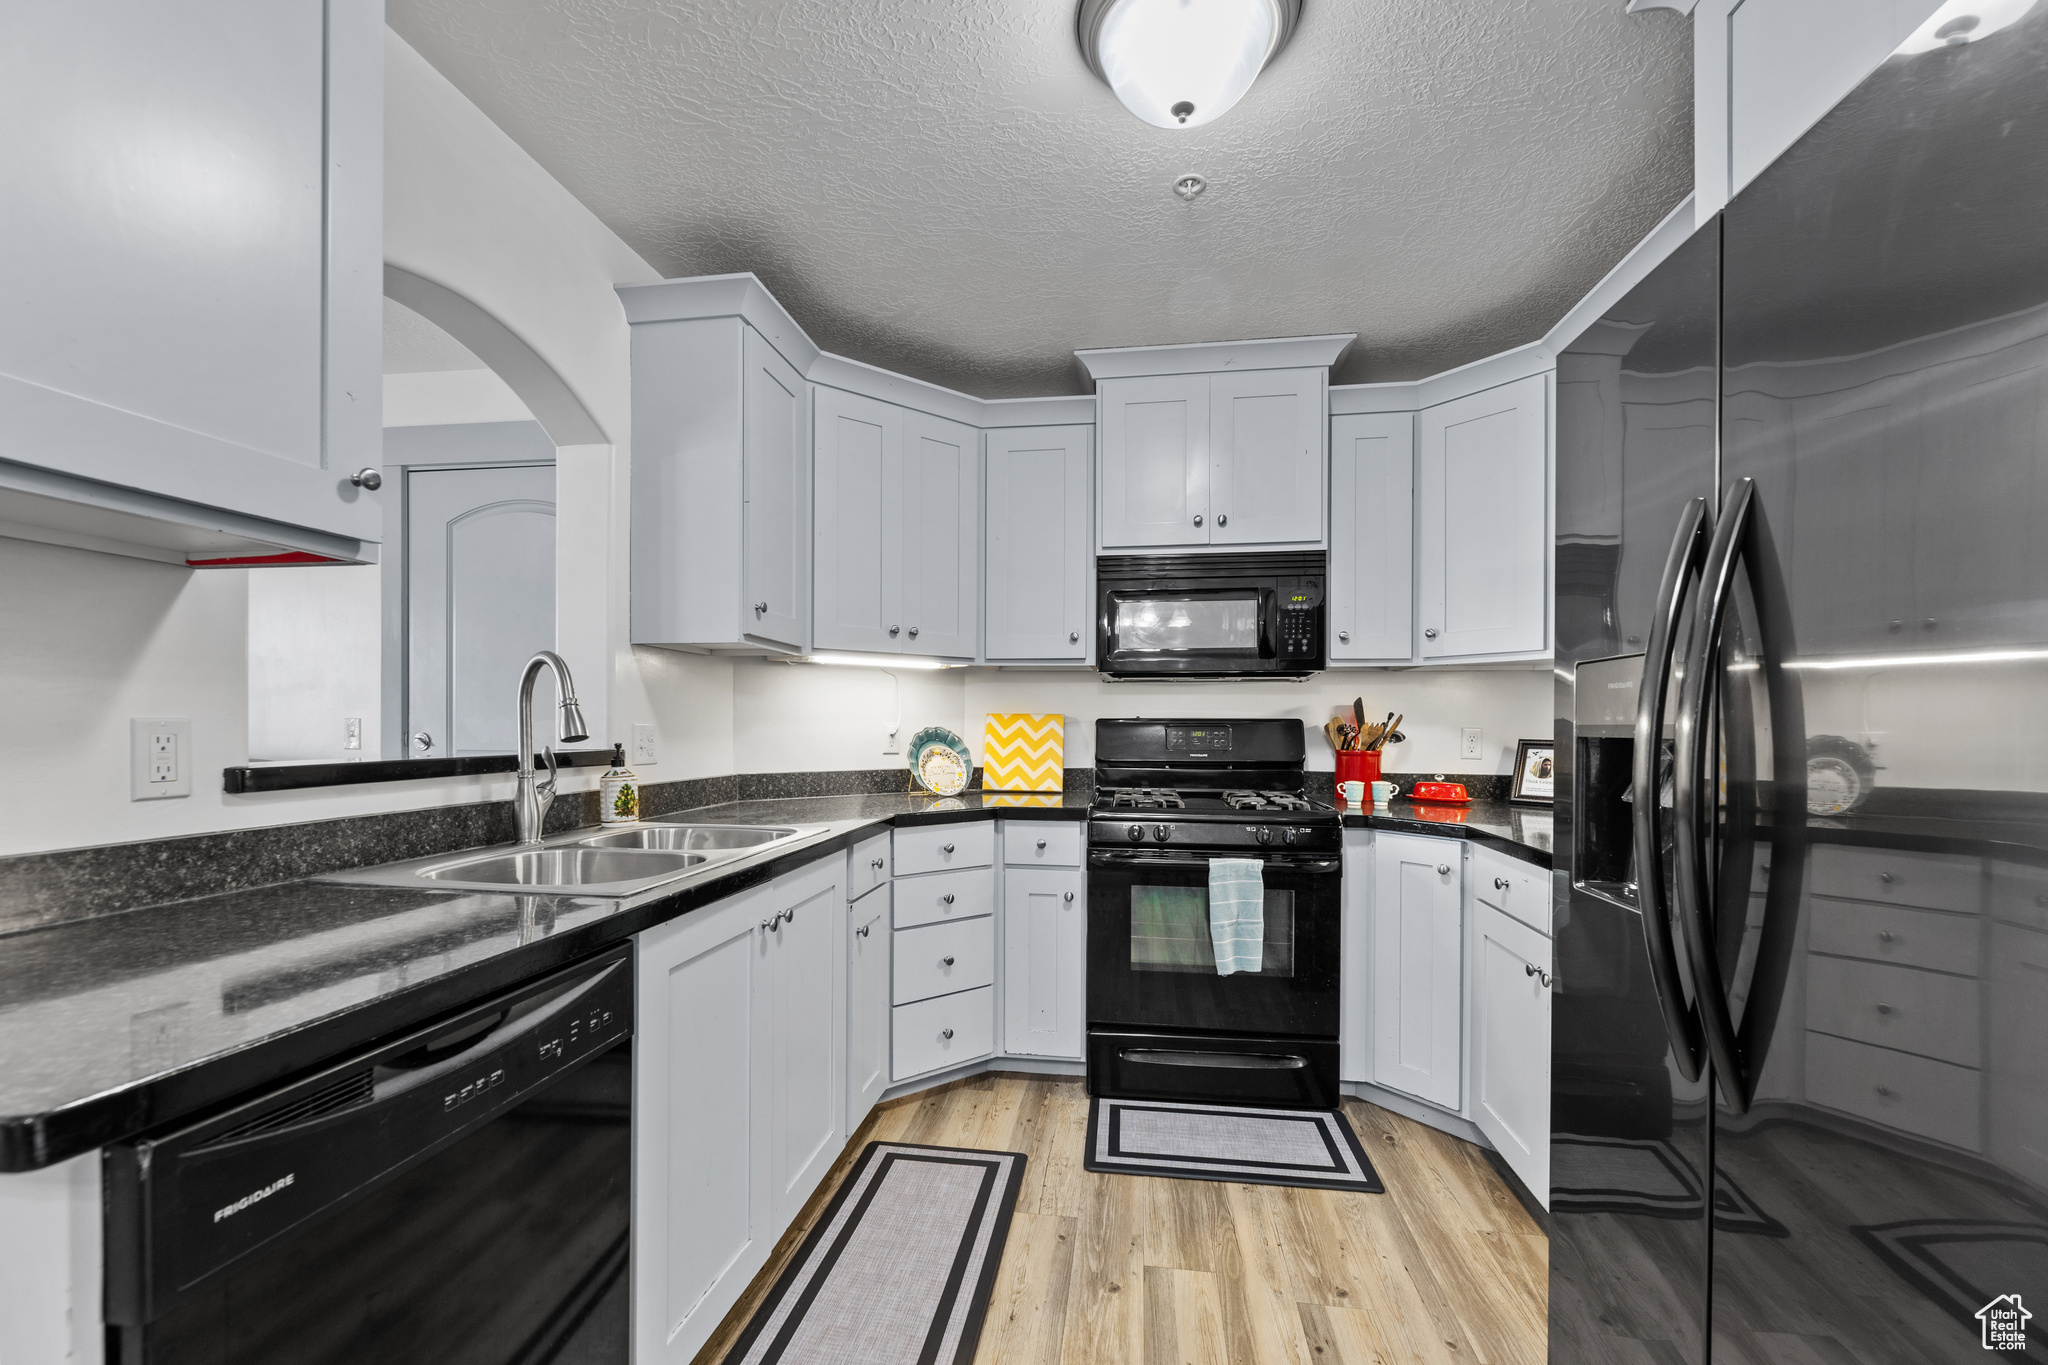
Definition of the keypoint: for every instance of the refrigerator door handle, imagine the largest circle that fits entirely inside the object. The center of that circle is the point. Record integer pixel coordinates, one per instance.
(1685, 561)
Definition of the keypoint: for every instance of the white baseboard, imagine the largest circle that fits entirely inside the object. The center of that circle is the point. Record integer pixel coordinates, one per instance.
(1036, 1066)
(1408, 1107)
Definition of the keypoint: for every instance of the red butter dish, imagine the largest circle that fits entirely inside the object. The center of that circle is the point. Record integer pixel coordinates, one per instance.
(1439, 791)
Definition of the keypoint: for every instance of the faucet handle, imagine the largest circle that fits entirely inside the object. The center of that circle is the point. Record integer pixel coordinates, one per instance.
(544, 793)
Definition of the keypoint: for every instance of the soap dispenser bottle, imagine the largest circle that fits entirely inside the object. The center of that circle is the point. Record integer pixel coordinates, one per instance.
(618, 791)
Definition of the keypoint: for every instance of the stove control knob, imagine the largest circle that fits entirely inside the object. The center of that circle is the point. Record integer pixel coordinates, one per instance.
(1160, 832)
(1264, 834)
(1287, 836)
(1137, 833)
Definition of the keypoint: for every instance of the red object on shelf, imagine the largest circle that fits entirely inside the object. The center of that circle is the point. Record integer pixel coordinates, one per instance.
(1358, 765)
(1439, 791)
(255, 561)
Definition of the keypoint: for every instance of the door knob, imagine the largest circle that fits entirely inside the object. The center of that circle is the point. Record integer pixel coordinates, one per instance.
(367, 478)
(1345, 636)
(1198, 518)
(946, 1033)
(1429, 632)
(945, 962)
(1223, 520)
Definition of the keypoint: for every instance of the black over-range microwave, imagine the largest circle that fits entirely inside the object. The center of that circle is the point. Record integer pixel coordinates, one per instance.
(1210, 616)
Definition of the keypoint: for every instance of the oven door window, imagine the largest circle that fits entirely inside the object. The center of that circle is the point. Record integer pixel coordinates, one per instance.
(1188, 623)
(1170, 931)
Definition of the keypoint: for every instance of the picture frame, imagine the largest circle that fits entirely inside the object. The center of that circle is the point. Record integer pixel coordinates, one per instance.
(1535, 773)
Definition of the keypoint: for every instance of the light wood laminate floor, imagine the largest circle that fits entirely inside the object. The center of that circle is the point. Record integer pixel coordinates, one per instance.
(1446, 1266)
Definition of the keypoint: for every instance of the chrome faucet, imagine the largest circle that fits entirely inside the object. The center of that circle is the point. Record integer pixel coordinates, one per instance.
(530, 803)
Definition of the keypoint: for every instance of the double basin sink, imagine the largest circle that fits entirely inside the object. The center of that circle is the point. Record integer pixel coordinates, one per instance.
(617, 862)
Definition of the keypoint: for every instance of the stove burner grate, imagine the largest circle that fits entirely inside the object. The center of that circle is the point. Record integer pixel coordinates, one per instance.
(1253, 800)
(1145, 798)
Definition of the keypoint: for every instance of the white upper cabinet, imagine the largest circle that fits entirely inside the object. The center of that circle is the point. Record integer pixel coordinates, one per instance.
(1155, 461)
(1372, 519)
(898, 529)
(1266, 457)
(1040, 557)
(191, 273)
(1482, 523)
(721, 484)
(1213, 446)
(941, 537)
(860, 550)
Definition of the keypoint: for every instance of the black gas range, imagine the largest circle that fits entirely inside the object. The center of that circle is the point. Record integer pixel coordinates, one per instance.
(1162, 1022)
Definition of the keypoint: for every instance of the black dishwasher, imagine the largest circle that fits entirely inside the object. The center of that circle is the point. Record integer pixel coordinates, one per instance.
(458, 1196)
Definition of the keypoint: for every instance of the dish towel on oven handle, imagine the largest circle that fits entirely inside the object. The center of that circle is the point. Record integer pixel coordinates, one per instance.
(1237, 914)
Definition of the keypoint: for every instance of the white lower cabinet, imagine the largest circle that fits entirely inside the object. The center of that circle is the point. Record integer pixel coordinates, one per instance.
(867, 1004)
(1511, 1043)
(947, 1031)
(738, 1102)
(1045, 958)
(1417, 973)
(943, 948)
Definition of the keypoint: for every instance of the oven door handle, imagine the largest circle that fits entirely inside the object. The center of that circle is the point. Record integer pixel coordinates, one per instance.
(1280, 863)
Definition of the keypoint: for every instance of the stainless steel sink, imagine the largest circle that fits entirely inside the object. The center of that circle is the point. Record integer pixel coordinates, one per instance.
(722, 839)
(601, 871)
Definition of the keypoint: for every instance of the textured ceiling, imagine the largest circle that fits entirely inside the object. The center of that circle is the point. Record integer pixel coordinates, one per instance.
(413, 345)
(944, 189)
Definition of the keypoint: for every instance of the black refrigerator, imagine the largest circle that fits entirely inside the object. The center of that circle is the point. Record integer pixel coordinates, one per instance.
(1799, 1059)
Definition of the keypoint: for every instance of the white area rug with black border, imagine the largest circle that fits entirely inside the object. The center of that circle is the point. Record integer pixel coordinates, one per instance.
(1306, 1148)
(899, 1269)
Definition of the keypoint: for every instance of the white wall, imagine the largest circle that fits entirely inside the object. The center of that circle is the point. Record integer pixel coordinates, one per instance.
(796, 718)
(314, 659)
(432, 398)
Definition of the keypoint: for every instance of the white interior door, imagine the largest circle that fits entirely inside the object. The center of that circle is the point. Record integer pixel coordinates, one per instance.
(480, 599)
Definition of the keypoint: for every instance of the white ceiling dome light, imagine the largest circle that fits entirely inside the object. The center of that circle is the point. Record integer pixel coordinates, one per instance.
(1183, 63)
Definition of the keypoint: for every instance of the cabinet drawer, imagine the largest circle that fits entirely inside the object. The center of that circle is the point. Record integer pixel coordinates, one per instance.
(1931, 880)
(943, 1032)
(1041, 843)
(1513, 887)
(1898, 1007)
(2019, 894)
(944, 896)
(938, 959)
(934, 848)
(867, 866)
(1890, 933)
(1912, 1094)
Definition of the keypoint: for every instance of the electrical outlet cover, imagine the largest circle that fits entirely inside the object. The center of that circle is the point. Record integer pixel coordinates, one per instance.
(643, 743)
(160, 757)
(1472, 746)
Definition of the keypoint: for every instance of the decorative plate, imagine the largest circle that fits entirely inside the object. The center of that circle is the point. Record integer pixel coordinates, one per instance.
(940, 761)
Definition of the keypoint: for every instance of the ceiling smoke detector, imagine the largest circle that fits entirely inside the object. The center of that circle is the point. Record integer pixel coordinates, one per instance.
(1189, 185)
(1183, 63)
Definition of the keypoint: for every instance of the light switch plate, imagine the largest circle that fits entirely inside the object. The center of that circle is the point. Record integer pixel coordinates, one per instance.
(160, 757)
(643, 744)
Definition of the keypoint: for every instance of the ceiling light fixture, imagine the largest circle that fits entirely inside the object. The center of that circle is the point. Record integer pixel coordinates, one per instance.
(1183, 63)
(1963, 21)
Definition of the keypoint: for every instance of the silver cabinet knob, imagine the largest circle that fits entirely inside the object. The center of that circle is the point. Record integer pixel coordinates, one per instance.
(422, 741)
(1542, 977)
(1884, 1009)
(945, 962)
(1886, 877)
(946, 1033)
(1429, 632)
(1443, 869)
(1345, 636)
(1070, 897)
(1887, 936)
(945, 848)
(1198, 518)
(765, 925)
(367, 478)
(1885, 1091)
(789, 915)
(946, 899)
(1073, 637)
(913, 632)
(1041, 845)
(862, 932)
(875, 863)
(1223, 520)
(1500, 883)
(760, 608)
(893, 630)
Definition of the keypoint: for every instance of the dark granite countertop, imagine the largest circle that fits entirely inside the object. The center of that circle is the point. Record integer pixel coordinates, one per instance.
(1522, 832)
(114, 1025)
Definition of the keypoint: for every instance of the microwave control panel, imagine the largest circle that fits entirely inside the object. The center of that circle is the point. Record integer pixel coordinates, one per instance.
(1301, 617)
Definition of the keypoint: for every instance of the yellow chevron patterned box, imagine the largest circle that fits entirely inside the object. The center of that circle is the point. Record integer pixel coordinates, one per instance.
(1023, 753)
